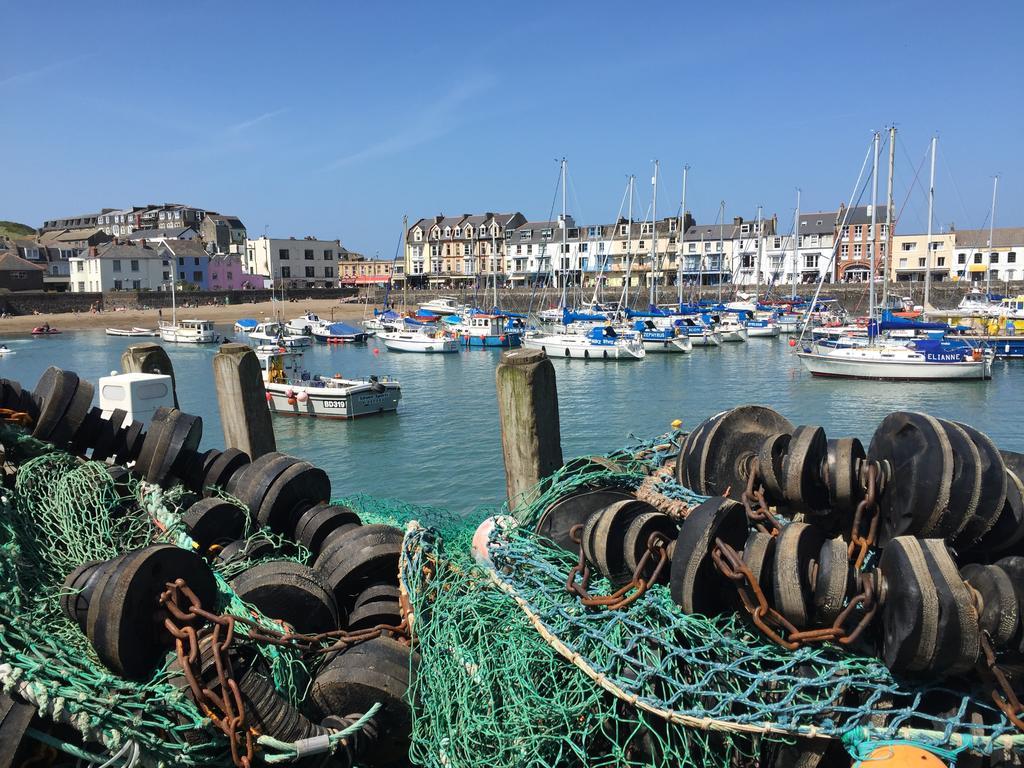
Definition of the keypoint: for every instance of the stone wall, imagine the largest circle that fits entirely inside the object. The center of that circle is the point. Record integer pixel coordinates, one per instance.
(32, 302)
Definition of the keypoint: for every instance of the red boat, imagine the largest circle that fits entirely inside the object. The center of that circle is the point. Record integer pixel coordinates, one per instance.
(44, 330)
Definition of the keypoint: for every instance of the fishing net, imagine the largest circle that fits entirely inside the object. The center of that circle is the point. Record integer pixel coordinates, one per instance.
(514, 670)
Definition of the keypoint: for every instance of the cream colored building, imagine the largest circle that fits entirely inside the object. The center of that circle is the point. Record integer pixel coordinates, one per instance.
(294, 263)
(911, 257)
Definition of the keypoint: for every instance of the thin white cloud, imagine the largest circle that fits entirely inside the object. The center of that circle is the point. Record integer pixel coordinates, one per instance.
(247, 124)
(432, 122)
(28, 74)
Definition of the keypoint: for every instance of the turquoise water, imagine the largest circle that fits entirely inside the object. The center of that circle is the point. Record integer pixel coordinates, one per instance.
(443, 446)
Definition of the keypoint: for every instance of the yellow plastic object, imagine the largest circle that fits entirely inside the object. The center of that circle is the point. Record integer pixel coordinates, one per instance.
(900, 756)
(677, 424)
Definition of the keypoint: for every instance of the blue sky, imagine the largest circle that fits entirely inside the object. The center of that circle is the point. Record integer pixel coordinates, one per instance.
(335, 118)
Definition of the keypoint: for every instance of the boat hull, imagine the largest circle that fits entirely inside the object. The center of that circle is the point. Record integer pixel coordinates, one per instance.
(706, 340)
(430, 346)
(763, 331)
(554, 347)
(678, 345)
(739, 334)
(890, 370)
(177, 336)
(508, 341)
(325, 404)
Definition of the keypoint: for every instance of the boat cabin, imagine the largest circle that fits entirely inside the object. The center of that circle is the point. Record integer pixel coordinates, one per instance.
(196, 325)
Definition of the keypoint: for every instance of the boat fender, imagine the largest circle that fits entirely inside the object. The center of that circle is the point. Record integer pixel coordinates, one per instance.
(290, 393)
(976, 355)
(482, 536)
(292, 401)
(338, 376)
(302, 397)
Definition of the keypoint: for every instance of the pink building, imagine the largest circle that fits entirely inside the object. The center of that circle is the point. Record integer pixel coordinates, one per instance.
(226, 273)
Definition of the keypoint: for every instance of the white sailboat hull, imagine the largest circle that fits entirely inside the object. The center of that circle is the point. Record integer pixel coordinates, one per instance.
(680, 344)
(767, 331)
(733, 335)
(706, 340)
(179, 335)
(868, 366)
(580, 348)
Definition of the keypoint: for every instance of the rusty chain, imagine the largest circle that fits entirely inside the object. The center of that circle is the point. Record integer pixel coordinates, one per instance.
(647, 492)
(226, 709)
(578, 581)
(10, 416)
(771, 623)
(760, 515)
(1002, 693)
(866, 516)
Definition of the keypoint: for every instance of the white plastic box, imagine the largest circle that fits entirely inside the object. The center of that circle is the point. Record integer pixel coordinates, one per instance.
(140, 394)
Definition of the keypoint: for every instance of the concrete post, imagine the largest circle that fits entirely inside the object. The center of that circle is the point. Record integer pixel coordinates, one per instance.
(244, 414)
(528, 406)
(149, 358)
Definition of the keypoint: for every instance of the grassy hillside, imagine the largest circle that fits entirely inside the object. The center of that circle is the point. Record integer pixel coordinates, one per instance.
(13, 229)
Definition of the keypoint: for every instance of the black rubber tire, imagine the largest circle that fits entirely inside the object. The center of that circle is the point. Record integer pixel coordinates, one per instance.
(291, 592)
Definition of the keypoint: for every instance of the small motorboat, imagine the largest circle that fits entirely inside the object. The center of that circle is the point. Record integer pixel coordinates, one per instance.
(339, 333)
(293, 391)
(44, 330)
(245, 324)
(132, 332)
(274, 333)
(6, 351)
(600, 343)
(189, 332)
(419, 340)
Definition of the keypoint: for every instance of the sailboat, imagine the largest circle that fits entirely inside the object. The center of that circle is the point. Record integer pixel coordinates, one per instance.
(187, 331)
(924, 359)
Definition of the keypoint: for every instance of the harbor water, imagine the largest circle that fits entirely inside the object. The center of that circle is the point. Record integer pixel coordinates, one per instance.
(443, 447)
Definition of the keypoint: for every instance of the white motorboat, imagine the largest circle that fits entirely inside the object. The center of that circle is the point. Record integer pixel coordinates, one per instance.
(443, 305)
(762, 328)
(189, 332)
(480, 330)
(293, 391)
(6, 351)
(662, 339)
(132, 332)
(245, 325)
(598, 344)
(919, 360)
(340, 333)
(305, 325)
(731, 330)
(419, 340)
(270, 332)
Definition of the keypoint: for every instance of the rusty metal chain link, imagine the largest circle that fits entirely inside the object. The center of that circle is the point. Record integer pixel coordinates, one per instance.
(756, 505)
(10, 416)
(866, 517)
(226, 709)
(578, 581)
(773, 624)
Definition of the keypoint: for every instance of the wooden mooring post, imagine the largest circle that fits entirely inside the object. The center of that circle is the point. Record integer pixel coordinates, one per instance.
(244, 414)
(531, 438)
(149, 358)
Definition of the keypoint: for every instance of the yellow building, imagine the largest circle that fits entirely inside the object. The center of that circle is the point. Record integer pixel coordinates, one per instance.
(910, 257)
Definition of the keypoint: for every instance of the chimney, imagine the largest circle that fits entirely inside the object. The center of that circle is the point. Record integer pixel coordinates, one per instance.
(737, 220)
(142, 242)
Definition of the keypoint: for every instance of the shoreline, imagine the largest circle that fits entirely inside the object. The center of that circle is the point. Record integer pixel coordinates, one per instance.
(150, 318)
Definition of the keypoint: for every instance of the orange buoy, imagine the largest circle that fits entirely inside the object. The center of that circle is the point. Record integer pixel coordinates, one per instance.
(900, 756)
(792, 342)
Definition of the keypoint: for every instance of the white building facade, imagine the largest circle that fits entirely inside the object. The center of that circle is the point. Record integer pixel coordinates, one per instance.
(118, 267)
(292, 263)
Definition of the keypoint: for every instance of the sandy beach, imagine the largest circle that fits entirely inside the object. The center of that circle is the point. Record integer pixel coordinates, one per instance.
(149, 318)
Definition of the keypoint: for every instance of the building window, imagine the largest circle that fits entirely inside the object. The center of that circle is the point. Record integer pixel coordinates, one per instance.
(940, 261)
(920, 262)
(135, 265)
(856, 251)
(858, 231)
(286, 271)
(117, 283)
(181, 275)
(310, 271)
(811, 261)
(197, 277)
(776, 242)
(910, 246)
(623, 229)
(977, 258)
(195, 261)
(136, 285)
(117, 265)
(844, 250)
(1011, 257)
(961, 259)
(328, 272)
(308, 253)
(283, 254)
(328, 254)
(993, 258)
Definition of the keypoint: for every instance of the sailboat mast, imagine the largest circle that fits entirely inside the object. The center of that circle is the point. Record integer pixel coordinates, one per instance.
(991, 237)
(796, 242)
(654, 241)
(565, 246)
(405, 240)
(682, 236)
(757, 253)
(887, 259)
(928, 244)
(629, 245)
(874, 229)
(494, 258)
(721, 248)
